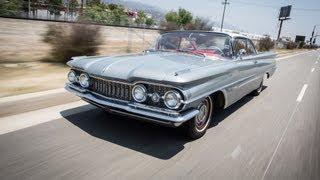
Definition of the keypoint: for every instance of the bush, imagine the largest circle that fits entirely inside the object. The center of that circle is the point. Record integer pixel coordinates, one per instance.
(200, 24)
(291, 45)
(301, 44)
(73, 40)
(169, 26)
(310, 46)
(265, 44)
(150, 22)
(177, 20)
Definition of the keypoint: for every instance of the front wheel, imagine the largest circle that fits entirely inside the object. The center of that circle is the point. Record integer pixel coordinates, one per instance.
(197, 126)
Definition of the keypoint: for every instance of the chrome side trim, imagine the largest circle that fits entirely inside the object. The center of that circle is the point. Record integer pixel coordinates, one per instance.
(223, 89)
(129, 108)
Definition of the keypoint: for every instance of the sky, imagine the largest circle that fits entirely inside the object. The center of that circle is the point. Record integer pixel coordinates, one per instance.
(253, 16)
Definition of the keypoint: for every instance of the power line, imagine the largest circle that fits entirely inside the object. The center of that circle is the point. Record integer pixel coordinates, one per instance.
(272, 6)
(255, 4)
(304, 9)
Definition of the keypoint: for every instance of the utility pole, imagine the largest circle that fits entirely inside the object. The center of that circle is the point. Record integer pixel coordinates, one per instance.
(225, 3)
(312, 34)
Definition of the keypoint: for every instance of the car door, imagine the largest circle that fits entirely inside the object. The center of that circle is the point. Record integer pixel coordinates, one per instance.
(255, 75)
(245, 64)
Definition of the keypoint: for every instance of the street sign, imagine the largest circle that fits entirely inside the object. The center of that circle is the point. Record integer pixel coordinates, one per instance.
(285, 12)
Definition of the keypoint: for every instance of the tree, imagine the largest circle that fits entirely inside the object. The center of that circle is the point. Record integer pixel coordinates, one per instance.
(176, 20)
(94, 2)
(141, 19)
(55, 7)
(113, 7)
(200, 24)
(184, 17)
(118, 15)
(106, 14)
(73, 5)
(150, 22)
(172, 17)
(95, 13)
(10, 8)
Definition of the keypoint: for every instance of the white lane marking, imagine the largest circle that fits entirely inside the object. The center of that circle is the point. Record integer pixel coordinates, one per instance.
(31, 95)
(312, 69)
(251, 161)
(303, 90)
(32, 118)
(280, 141)
(296, 54)
(235, 153)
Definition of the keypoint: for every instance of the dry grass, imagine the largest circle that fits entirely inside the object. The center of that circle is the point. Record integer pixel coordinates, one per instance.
(30, 77)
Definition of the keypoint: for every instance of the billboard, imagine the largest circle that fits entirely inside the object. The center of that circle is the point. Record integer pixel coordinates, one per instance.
(285, 12)
(300, 38)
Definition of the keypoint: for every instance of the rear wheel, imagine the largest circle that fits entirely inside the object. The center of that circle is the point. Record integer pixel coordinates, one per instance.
(197, 126)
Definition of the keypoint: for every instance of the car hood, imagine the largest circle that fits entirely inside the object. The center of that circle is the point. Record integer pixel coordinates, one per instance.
(158, 66)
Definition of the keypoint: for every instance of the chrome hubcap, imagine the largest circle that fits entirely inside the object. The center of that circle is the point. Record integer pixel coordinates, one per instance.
(203, 115)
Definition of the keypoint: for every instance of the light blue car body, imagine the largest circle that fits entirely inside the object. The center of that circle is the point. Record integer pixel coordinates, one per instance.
(196, 77)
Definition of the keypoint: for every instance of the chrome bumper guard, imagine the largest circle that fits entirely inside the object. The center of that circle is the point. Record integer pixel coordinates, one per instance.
(132, 109)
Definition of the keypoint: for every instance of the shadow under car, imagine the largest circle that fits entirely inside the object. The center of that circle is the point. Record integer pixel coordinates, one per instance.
(151, 139)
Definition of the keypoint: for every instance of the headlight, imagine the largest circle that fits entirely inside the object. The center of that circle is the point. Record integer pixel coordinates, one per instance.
(172, 99)
(72, 76)
(139, 93)
(84, 80)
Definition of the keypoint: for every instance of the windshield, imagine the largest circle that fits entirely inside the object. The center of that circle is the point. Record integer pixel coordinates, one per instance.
(206, 43)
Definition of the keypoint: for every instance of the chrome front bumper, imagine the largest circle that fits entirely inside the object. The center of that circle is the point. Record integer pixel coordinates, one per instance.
(167, 117)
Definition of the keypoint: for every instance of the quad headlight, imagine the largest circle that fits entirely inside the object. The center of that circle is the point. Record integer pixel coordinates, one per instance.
(72, 77)
(172, 99)
(84, 80)
(139, 93)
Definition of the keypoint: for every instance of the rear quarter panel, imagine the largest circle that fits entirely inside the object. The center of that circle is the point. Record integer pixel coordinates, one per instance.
(228, 77)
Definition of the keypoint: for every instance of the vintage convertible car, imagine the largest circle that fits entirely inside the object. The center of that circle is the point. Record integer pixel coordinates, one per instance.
(181, 80)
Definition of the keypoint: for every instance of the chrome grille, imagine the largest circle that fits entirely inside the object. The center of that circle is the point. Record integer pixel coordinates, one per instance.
(111, 89)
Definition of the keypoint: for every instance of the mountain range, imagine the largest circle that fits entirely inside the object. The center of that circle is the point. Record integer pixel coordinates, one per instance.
(156, 12)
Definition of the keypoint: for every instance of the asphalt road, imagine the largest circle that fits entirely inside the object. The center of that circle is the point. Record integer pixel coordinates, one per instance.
(273, 136)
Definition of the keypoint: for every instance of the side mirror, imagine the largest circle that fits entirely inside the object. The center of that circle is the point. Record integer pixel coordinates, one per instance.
(241, 53)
